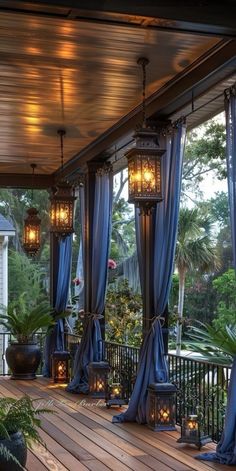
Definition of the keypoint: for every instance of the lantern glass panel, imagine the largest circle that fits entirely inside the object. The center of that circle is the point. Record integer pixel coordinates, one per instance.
(98, 378)
(144, 177)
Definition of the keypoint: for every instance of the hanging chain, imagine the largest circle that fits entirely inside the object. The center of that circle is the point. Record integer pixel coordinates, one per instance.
(143, 61)
(144, 93)
(33, 166)
(61, 133)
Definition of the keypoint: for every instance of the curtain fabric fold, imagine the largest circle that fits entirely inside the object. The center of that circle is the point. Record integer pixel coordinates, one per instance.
(55, 339)
(226, 448)
(91, 346)
(152, 364)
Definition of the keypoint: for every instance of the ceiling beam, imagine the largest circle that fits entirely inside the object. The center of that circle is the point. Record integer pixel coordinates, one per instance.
(201, 76)
(13, 180)
(209, 17)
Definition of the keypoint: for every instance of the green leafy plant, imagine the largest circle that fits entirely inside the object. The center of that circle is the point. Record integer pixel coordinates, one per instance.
(215, 344)
(19, 415)
(24, 319)
(123, 315)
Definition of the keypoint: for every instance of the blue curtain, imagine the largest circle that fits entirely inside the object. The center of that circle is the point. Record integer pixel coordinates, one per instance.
(152, 364)
(226, 448)
(91, 347)
(55, 339)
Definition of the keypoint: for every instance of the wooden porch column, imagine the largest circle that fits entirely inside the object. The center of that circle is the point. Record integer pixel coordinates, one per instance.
(147, 222)
(147, 248)
(89, 195)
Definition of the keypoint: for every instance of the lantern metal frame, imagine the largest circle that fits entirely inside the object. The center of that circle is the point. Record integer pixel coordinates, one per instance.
(192, 433)
(62, 203)
(161, 408)
(98, 372)
(61, 359)
(32, 229)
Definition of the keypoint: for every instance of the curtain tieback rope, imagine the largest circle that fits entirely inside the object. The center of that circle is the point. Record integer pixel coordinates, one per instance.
(94, 315)
(160, 318)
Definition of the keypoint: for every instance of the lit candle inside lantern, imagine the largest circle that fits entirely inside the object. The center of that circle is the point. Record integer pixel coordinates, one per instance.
(32, 235)
(147, 175)
(165, 415)
(192, 425)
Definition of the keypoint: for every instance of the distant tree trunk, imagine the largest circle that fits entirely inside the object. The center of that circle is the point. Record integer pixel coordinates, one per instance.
(182, 275)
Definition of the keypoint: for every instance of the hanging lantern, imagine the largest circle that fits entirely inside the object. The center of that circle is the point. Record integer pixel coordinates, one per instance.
(31, 236)
(161, 406)
(62, 204)
(60, 367)
(191, 432)
(31, 232)
(144, 171)
(144, 162)
(62, 210)
(98, 378)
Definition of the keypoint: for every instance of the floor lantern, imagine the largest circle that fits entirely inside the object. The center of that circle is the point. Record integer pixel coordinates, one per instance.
(60, 367)
(98, 378)
(161, 406)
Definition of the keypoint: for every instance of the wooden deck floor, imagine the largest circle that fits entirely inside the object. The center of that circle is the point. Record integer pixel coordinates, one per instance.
(81, 436)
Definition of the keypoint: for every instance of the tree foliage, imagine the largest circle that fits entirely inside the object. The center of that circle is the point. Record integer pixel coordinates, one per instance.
(225, 287)
(123, 314)
(204, 154)
(194, 251)
(25, 275)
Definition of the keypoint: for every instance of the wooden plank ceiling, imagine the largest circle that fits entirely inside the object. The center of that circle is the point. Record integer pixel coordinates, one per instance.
(81, 76)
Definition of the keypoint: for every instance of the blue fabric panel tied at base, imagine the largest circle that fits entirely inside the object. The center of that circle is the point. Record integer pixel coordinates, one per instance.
(152, 363)
(55, 339)
(226, 448)
(90, 348)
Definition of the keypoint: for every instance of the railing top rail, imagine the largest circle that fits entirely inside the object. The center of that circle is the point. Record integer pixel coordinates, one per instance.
(122, 345)
(200, 360)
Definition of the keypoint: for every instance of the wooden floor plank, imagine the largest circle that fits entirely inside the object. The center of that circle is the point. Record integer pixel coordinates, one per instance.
(33, 463)
(108, 414)
(154, 461)
(81, 436)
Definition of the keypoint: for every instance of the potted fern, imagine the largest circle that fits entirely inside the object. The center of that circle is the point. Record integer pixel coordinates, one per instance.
(18, 430)
(23, 355)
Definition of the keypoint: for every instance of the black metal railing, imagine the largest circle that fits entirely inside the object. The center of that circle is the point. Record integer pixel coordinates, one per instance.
(201, 385)
(123, 361)
(202, 390)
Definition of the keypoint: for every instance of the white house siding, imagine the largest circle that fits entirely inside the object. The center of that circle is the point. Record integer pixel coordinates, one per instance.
(3, 293)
